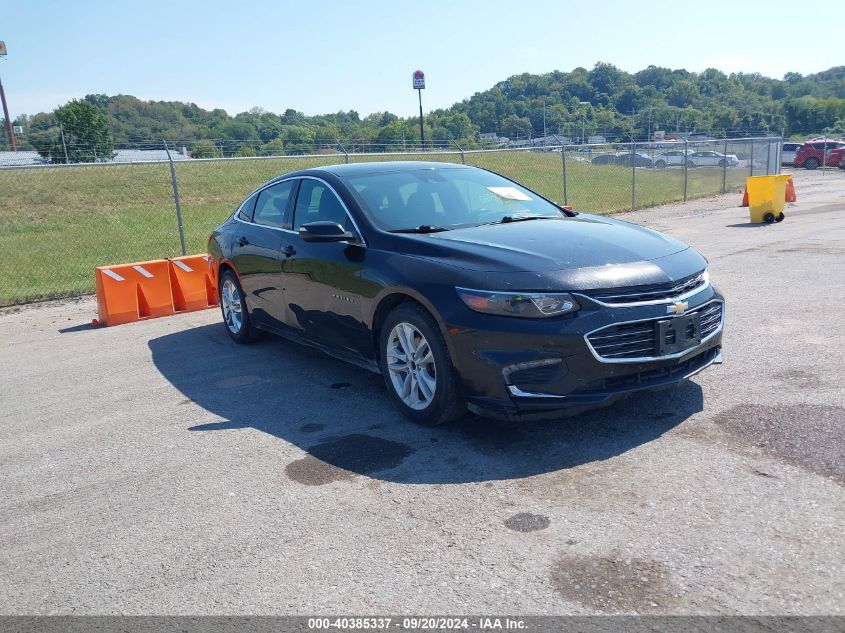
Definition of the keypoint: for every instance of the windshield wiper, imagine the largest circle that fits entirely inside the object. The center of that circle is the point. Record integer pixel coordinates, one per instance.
(422, 228)
(521, 218)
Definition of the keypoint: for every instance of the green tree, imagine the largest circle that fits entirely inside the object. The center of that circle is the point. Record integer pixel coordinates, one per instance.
(86, 131)
(205, 149)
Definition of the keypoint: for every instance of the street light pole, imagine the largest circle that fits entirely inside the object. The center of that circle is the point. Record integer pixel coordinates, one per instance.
(10, 132)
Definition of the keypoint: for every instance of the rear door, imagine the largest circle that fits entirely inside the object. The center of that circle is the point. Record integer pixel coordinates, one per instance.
(256, 251)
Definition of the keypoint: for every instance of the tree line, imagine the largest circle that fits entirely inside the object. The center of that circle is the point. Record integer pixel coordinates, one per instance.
(604, 100)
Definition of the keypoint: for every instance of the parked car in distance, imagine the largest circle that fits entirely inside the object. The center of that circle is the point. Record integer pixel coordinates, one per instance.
(712, 159)
(671, 158)
(814, 154)
(464, 289)
(837, 157)
(640, 159)
(788, 153)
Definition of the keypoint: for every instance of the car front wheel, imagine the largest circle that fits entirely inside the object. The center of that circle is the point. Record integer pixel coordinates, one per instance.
(812, 163)
(417, 368)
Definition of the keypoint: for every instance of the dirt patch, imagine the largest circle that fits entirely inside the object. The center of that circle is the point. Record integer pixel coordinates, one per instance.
(799, 378)
(362, 454)
(805, 435)
(614, 585)
(527, 522)
(313, 472)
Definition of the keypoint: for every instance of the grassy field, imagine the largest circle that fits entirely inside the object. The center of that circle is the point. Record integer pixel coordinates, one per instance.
(58, 223)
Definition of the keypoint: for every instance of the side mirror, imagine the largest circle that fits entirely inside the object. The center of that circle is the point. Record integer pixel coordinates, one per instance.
(324, 232)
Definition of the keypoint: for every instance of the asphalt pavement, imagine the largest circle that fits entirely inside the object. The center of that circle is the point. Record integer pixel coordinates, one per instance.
(158, 468)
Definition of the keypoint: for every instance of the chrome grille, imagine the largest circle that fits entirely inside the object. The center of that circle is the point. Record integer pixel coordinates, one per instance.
(653, 292)
(638, 340)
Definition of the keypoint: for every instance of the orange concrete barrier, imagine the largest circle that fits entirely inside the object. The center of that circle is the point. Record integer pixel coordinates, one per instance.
(130, 292)
(791, 196)
(192, 282)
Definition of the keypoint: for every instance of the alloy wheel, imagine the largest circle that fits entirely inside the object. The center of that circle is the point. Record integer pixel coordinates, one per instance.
(410, 363)
(230, 299)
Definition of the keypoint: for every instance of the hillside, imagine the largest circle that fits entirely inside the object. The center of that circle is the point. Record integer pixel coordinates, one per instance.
(604, 100)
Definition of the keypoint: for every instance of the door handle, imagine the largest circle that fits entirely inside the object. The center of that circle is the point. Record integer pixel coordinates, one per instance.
(288, 251)
(242, 241)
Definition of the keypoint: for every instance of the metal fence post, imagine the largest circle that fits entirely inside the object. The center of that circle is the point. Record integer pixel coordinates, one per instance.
(769, 157)
(751, 159)
(461, 150)
(633, 176)
(343, 149)
(686, 169)
(563, 163)
(725, 169)
(176, 199)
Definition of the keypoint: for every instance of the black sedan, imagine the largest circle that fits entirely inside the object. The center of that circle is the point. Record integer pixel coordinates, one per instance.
(465, 289)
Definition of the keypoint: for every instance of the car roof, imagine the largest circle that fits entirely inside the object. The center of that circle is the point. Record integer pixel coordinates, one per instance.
(376, 167)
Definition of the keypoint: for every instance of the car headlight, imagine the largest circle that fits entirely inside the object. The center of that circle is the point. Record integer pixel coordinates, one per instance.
(531, 305)
(706, 276)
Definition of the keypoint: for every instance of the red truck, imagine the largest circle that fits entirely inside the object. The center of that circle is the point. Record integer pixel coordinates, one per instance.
(814, 154)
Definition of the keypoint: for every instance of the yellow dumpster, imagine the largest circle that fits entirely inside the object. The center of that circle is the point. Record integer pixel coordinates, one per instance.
(766, 197)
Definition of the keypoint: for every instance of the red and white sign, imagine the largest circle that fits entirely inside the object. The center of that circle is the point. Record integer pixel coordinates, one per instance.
(419, 80)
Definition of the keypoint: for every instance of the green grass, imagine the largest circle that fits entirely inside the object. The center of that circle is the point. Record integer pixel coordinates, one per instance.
(58, 223)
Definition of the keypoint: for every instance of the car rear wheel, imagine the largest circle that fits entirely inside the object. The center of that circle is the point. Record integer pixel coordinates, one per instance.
(417, 368)
(233, 306)
(812, 163)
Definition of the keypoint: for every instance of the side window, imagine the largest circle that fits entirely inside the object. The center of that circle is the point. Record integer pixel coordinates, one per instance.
(248, 206)
(272, 206)
(316, 202)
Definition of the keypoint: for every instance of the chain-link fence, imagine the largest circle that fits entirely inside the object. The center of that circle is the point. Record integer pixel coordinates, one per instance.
(57, 222)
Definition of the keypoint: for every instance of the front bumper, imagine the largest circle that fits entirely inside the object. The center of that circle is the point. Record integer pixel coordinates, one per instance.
(523, 367)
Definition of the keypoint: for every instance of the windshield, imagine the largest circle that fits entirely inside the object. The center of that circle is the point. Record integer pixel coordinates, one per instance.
(445, 198)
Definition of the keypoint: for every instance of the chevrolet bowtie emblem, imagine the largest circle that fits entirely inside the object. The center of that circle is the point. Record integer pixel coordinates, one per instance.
(677, 308)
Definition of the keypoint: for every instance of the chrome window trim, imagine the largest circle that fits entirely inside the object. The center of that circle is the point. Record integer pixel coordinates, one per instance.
(291, 231)
(643, 359)
(652, 302)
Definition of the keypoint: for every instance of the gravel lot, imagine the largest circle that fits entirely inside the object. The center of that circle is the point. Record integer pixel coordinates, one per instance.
(157, 467)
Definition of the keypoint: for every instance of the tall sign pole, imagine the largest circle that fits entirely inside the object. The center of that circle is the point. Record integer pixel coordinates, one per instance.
(419, 86)
(9, 131)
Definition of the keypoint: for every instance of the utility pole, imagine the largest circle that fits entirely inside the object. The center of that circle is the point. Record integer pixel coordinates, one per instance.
(544, 120)
(64, 145)
(10, 132)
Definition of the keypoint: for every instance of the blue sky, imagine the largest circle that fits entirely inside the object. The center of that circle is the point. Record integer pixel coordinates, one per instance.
(326, 55)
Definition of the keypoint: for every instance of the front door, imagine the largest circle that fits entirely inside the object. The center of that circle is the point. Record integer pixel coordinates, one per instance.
(322, 282)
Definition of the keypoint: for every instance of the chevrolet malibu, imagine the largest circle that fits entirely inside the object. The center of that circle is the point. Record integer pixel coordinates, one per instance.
(465, 289)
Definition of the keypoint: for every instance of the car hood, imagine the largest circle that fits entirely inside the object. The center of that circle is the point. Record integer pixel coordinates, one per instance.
(584, 241)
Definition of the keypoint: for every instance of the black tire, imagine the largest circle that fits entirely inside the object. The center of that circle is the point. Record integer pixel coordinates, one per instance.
(812, 163)
(246, 333)
(660, 164)
(722, 163)
(769, 218)
(447, 404)
(690, 164)
(780, 217)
